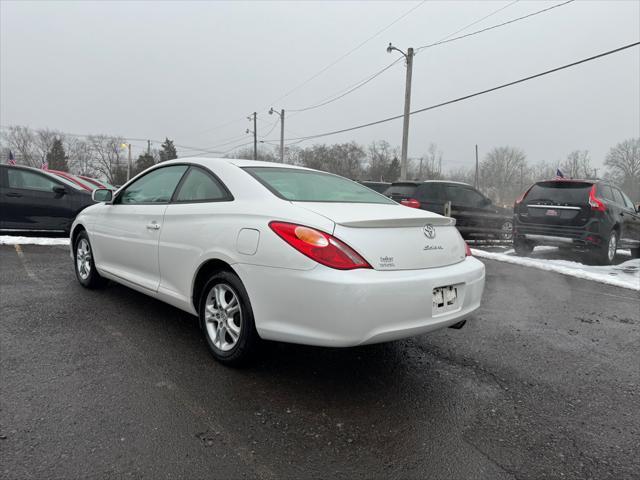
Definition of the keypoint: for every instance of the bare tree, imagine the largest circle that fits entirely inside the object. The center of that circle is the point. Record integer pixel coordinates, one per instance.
(21, 141)
(43, 142)
(380, 156)
(81, 160)
(429, 165)
(502, 173)
(577, 165)
(623, 163)
(109, 158)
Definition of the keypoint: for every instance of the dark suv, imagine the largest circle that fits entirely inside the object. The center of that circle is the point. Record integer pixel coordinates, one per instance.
(589, 215)
(476, 215)
(33, 200)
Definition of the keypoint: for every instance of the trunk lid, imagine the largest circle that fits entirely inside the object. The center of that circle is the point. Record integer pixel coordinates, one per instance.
(556, 203)
(394, 237)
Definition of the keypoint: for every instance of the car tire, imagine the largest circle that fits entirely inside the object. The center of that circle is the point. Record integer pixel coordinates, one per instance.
(84, 265)
(226, 319)
(506, 231)
(522, 247)
(606, 253)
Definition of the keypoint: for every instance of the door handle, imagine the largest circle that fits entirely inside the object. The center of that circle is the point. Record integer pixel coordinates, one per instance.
(15, 195)
(153, 226)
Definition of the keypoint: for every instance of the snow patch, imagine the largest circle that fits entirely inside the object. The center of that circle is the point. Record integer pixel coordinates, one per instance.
(14, 240)
(626, 274)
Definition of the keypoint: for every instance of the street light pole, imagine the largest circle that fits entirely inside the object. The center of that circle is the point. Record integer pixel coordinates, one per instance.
(281, 114)
(407, 108)
(255, 136)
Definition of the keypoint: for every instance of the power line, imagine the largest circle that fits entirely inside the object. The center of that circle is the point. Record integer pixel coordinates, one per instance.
(513, 20)
(466, 97)
(445, 39)
(345, 55)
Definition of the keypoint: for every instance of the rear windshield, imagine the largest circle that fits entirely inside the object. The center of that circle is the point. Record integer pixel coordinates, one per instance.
(559, 193)
(310, 186)
(406, 189)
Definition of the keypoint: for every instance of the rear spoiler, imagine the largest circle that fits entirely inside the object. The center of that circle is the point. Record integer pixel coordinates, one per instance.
(401, 222)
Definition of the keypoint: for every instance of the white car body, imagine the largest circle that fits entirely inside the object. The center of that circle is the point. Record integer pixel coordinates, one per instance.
(159, 250)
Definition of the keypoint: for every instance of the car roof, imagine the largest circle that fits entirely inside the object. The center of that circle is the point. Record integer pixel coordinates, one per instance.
(207, 161)
(418, 182)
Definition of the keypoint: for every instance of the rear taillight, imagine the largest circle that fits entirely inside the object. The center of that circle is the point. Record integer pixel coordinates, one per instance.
(319, 246)
(467, 250)
(410, 202)
(594, 202)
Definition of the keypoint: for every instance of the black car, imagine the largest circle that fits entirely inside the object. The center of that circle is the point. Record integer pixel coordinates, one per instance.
(476, 215)
(589, 215)
(33, 200)
(379, 187)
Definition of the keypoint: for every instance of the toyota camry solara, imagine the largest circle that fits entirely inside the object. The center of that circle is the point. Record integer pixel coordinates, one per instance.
(269, 251)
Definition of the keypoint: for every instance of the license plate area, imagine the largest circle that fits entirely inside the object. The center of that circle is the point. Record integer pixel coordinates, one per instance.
(445, 299)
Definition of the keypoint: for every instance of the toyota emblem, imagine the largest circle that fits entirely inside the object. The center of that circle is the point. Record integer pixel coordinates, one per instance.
(429, 231)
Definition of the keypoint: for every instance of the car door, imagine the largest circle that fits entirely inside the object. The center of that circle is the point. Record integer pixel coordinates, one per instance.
(125, 236)
(29, 201)
(630, 231)
(459, 210)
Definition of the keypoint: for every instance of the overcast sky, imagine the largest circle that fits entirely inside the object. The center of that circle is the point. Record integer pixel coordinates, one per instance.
(182, 69)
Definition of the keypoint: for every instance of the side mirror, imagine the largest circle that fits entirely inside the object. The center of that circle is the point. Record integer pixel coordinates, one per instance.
(59, 190)
(102, 195)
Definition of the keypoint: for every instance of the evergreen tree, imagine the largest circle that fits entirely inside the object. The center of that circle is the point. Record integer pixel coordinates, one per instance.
(168, 151)
(143, 162)
(56, 158)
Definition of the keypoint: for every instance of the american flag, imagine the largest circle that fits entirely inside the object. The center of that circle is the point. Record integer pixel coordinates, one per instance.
(559, 174)
(11, 160)
(44, 165)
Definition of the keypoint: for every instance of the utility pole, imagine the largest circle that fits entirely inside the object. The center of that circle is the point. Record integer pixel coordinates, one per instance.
(148, 147)
(255, 136)
(475, 182)
(407, 108)
(282, 136)
(281, 115)
(129, 162)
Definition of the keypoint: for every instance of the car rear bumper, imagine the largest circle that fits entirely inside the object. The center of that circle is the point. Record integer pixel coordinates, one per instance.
(559, 235)
(336, 308)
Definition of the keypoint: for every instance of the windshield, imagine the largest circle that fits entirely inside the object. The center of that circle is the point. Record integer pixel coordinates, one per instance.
(312, 186)
(559, 192)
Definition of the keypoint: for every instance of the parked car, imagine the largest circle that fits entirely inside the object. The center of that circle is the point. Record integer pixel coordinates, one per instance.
(97, 183)
(259, 250)
(72, 178)
(379, 187)
(476, 215)
(33, 200)
(590, 215)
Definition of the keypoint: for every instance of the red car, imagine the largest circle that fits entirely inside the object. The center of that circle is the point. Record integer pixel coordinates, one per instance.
(97, 183)
(72, 178)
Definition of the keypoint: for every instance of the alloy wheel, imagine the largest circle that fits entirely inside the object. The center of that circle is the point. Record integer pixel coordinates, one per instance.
(83, 258)
(507, 230)
(223, 317)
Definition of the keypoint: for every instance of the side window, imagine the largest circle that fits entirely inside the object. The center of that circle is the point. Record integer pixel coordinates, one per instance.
(18, 178)
(473, 198)
(156, 186)
(617, 197)
(454, 194)
(627, 201)
(605, 191)
(430, 192)
(199, 186)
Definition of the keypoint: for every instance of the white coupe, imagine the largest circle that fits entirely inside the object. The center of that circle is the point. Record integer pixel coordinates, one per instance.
(270, 251)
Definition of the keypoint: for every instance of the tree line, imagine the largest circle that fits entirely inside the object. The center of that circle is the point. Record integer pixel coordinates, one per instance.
(100, 156)
(503, 172)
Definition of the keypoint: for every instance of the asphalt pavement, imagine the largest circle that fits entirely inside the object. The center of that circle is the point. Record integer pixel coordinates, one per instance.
(544, 382)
